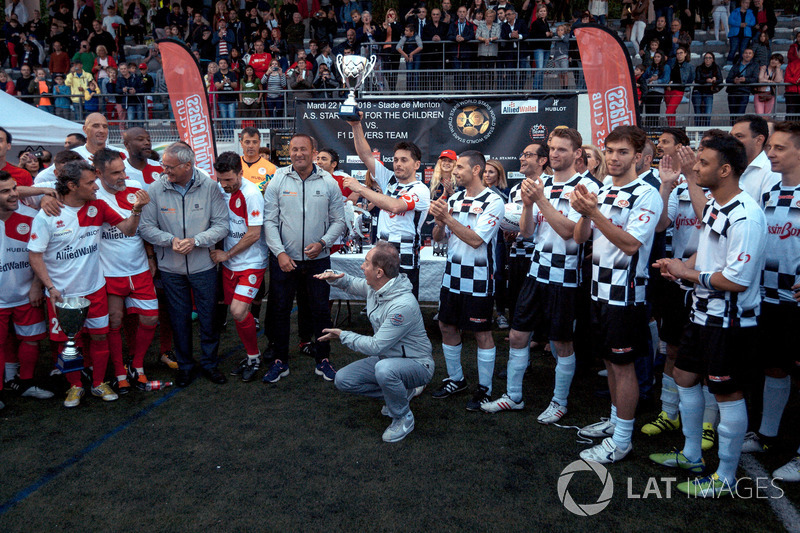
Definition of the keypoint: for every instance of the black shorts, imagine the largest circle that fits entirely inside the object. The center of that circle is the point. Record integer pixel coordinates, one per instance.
(774, 336)
(619, 333)
(545, 309)
(465, 311)
(676, 307)
(724, 356)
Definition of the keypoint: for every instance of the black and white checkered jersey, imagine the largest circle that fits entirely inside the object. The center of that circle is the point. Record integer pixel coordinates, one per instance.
(556, 260)
(617, 278)
(732, 241)
(685, 226)
(782, 255)
(471, 270)
(521, 246)
(403, 229)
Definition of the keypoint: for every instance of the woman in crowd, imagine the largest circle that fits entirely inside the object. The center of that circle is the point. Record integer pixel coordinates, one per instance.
(657, 76)
(487, 35)
(596, 162)
(250, 97)
(390, 32)
(442, 181)
(494, 177)
(102, 63)
(792, 90)
(771, 75)
(539, 37)
(235, 62)
(708, 81)
(681, 76)
(477, 6)
(793, 54)
(213, 68)
(274, 82)
(6, 84)
(720, 14)
(762, 49)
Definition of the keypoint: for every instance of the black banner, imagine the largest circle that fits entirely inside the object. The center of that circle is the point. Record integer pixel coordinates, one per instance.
(499, 127)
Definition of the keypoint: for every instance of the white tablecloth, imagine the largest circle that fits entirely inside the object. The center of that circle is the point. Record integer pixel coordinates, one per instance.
(430, 273)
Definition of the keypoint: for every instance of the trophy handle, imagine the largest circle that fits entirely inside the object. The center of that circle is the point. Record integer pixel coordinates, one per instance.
(339, 60)
(370, 66)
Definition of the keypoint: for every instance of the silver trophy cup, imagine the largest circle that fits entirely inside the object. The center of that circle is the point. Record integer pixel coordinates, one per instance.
(71, 316)
(354, 70)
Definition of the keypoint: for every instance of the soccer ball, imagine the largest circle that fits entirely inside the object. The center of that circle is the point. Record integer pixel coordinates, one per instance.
(510, 220)
(472, 121)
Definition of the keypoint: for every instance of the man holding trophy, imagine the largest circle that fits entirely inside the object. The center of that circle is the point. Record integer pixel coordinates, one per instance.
(403, 199)
(63, 253)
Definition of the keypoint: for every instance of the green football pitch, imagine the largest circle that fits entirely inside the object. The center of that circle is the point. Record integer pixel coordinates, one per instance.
(301, 456)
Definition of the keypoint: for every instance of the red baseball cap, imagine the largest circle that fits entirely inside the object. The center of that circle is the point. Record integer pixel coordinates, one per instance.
(143, 66)
(449, 154)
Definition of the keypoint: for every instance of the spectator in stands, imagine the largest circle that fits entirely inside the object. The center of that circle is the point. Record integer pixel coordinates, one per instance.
(560, 54)
(113, 23)
(475, 7)
(762, 48)
(389, 32)
(325, 58)
(539, 37)
(211, 70)
(177, 17)
(30, 54)
(460, 54)
(765, 17)
(307, 8)
(224, 41)
(205, 46)
(687, 11)
(235, 62)
(657, 76)
(295, 31)
(345, 12)
(99, 36)
(488, 34)
(436, 30)
(59, 59)
(63, 106)
(708, 80)
(225, 82)
(678, 37)
(741, 79)
(23, 84)
(63, 14)
(327, 83)
(129, 85)
(595, 162)
(41, 86)
(410, 48)
(237, 27)
(259, 59)
(16, 8)
(278, 47)
(641, 85)
(102, 63)
(349, 42)
(301, 81)
(741, 22)
(135, 20)
(660, 33)
(771, 75)
(91, 98)
(792, 90)
(78, 80)
(599, 10)
(647, 57)
(512, 32)
(721, 13)
(681, 77)
(449, 13)
(274, 82)
(794, 56)
(320, 27)
(6, 85)
(114, 107)
(250, 97)
(355, 20)
(664, 8)
(85, 56)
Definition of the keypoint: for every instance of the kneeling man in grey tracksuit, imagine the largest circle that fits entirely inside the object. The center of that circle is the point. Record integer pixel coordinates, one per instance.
(400, 361)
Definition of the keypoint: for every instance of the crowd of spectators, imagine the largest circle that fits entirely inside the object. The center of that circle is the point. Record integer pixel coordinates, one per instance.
(257, 58)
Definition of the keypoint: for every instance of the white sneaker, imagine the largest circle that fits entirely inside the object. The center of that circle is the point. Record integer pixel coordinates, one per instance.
(38, 393)
(605, 452)
(752, 443)
(789, 472)
(554, 412)
(105, 392)
(399, 428)
(503, 403)
(598, 430)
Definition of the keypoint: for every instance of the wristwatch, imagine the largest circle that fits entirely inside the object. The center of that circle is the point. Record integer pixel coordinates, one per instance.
(196, 243)
(324, 246)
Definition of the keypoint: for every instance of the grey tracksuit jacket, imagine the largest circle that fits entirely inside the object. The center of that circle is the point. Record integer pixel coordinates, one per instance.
(395, 317)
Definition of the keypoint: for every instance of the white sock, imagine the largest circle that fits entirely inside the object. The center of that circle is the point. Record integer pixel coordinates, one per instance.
(11, 371)
(669, 396)
(517, 363)
(253, 359)
(732, 427)
(486, 359)
(711, 412)
(565, 370)
(613, 414)
(776, 395)
(140, 371)
(623, 433)
(452, 358)
(691, 401)
(122, 377)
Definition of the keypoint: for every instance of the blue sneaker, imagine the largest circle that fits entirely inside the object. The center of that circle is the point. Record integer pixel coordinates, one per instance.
(326, 370)
(278, 370)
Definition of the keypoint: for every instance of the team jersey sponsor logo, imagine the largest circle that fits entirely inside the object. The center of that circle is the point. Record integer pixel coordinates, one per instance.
(91, 212)
(784, 231)
(131, 198)
(623, 203)
(255, 213)
(23, 229)
(251, 278)
(262, 171)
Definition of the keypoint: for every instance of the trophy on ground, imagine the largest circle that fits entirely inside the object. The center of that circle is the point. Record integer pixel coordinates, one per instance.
(354, 70)
(71, 316)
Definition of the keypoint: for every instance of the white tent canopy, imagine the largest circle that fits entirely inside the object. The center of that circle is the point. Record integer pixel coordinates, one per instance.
(31, 126)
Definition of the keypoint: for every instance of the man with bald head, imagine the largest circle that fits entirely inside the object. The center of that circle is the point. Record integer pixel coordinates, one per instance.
(95, 127)
(138, 165)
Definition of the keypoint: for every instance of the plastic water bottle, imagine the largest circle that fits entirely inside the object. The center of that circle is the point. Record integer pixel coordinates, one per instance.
(157, 385)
